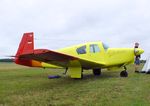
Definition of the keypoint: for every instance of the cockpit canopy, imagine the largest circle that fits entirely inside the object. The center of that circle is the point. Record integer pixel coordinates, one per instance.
(94, 48)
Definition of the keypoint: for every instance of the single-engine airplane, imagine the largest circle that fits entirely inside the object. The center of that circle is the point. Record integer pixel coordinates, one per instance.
(75, 59)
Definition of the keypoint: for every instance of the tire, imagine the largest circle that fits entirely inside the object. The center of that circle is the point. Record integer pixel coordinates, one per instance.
(97, 72)
(124, 74)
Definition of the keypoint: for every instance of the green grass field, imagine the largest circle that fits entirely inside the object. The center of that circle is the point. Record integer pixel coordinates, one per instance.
(23, 86)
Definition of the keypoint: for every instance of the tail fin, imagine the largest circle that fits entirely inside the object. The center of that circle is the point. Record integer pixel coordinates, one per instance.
(27, 44)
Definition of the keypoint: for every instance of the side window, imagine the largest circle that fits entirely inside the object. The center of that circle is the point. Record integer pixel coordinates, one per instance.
(81, 50)
(94, 48)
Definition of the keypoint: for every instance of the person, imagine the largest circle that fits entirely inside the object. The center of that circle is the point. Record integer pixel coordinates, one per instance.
(137, 59)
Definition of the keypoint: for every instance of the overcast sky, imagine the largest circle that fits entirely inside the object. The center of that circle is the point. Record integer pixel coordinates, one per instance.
(61, 23)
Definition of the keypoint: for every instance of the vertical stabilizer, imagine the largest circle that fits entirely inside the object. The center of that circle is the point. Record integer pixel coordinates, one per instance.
(26, 45)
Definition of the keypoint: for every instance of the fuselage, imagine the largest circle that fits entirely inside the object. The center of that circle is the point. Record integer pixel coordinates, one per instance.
(101, 53)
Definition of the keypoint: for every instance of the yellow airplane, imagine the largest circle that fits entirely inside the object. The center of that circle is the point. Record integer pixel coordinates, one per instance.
(75, 59)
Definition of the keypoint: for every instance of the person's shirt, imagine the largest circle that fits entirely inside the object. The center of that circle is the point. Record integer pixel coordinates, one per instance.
(138, 56)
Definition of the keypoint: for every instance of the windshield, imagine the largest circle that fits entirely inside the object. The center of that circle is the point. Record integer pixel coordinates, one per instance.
(105, 46)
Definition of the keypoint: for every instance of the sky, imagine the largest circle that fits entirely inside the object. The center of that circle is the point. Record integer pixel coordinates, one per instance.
(62, 23)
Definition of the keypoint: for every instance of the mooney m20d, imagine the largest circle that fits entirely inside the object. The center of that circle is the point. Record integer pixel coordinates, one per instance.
(75, 59)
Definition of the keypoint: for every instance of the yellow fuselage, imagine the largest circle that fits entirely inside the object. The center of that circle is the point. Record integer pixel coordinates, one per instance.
(110, 57)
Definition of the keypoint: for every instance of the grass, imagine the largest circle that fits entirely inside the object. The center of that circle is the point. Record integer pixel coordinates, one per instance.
(23, 86)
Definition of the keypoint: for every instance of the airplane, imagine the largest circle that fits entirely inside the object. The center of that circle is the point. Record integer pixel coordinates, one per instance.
(92, 55)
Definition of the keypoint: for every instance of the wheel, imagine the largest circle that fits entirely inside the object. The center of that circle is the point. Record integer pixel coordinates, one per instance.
(124, 74)
(97, 72)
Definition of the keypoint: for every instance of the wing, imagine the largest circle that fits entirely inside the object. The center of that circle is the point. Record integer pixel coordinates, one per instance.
(59, 59)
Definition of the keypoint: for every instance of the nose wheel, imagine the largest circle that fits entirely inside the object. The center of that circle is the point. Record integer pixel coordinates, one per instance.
(124, 73)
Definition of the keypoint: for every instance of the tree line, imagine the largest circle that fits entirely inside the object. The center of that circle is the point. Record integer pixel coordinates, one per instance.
(6, 60)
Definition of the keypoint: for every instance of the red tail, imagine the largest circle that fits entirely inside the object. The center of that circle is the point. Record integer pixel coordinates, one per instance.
(26, 45)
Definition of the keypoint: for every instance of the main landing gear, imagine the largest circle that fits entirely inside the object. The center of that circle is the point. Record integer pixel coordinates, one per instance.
(97, 72)
(124, 73)
(66, 71)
